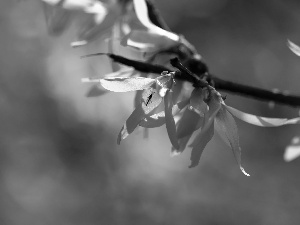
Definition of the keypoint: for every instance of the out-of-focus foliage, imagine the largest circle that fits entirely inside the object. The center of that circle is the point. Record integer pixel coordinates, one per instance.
(59, 160)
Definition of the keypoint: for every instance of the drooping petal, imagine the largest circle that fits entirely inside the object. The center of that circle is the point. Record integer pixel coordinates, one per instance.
(141, 11)
(188, 123)
(158, 119)
(141, 111)
(199, 144)
(227, 127)
(293, 47)
(197, 103)
(96, 91)
(131, 123)
(57, 18)
(170, 123)
(182, 145)
(261, 121)
(146, 41)
(125, 84)
(150, 100)
(292, 151)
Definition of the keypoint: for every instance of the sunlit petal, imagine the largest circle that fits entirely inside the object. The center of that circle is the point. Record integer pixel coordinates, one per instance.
(261, 121)
(226, 126)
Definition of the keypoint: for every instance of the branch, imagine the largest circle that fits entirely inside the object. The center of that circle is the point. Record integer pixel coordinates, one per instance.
(197, 66)
(258, 93)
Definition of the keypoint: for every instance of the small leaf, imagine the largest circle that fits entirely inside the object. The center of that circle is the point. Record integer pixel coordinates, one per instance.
(170, 123)
(125, 84)
(226, 126)
(200, 143)
(293, 47)
(261, 121)
(292, 151)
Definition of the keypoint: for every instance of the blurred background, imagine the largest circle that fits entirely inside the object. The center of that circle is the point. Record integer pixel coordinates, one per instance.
(59, 161)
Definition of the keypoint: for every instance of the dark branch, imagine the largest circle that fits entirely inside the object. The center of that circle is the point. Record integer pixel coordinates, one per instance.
(258, 93)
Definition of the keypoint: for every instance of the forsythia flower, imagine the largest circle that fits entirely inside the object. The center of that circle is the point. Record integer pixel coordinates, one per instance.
(203, 113)
(130, 27)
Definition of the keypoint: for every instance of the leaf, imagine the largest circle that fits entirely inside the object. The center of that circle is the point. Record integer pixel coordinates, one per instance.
(292, 151)
(170, 123)
(261, 121)
(96, 91)
(293, 47)
(125, 84)
(200, 143)
(226, 126)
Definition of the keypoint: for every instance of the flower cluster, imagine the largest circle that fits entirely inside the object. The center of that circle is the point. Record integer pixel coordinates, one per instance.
(199, 114)
(130, 26)
(192, 118)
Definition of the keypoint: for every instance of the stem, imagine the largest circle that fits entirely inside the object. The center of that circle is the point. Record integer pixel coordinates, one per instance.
(196, 80)
(253, 92)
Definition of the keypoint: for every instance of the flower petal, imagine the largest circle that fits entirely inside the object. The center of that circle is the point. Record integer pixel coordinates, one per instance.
(131, 123)
(199, 144)
(292, 151)
(96, 91)
(188, 123)
(141, 11)
(125, 84)
(293, 47)
(170, 123)
(226, 126)
(147, 41)
(197, 103)
(57, 18)
(158, 119)
(261, 121)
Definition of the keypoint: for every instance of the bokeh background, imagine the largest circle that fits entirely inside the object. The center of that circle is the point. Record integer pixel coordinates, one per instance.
(59, 161)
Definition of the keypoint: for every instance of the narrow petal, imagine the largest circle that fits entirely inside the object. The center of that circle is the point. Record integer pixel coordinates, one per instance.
(147, 41)
(292, 151)
(293, 47)
(96, 91)
(158, 119)
(125, 84)
(227, 127)
(261, 121)
(188, 123)
(197, 103)
(170, 123)
(131, 123)
(182, 145)
(141, 11)
(200, 143)
(57, 18)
